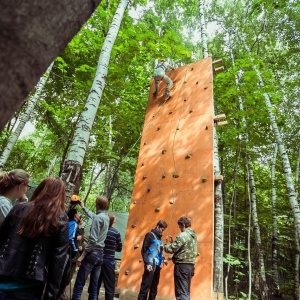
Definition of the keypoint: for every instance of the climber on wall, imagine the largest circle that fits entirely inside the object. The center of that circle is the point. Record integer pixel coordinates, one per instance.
(159, 74)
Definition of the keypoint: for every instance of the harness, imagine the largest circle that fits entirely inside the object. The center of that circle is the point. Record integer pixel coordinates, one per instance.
(154, 252)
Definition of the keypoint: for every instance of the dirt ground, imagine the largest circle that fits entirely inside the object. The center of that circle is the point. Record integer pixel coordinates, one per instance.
(85, 294)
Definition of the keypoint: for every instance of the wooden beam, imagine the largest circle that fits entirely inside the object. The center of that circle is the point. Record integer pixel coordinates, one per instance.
(218, 177)
(218, 61)
(221, 123)
(218, 70)
(218, 117)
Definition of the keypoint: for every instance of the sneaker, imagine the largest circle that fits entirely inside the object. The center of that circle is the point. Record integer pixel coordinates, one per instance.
(166, 93)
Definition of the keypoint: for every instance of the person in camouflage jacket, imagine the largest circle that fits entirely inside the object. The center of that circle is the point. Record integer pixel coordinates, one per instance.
(184, 250)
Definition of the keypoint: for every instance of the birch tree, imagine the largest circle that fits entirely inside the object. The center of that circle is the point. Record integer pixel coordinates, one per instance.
(281, 148)
(24, 118)
(218, 286)
(75, 158)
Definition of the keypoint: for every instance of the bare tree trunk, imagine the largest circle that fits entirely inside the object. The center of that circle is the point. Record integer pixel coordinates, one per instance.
(24, 118)
(283, 153)
(218, 276)
(32, 34)
(256, 228)
(275, 275)
(74, 161)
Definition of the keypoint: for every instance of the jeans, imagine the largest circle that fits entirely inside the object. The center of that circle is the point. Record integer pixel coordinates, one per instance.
(149, 283)
(91, 265)
(183, 274)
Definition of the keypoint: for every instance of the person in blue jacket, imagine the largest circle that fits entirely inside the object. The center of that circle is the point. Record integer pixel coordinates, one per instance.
(152, 253)
(74, 235)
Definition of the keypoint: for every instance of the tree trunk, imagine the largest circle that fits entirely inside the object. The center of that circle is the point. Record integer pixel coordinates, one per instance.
(281, 147)
(82, 133)
(24, 119)
(32, 34)
(275, 275)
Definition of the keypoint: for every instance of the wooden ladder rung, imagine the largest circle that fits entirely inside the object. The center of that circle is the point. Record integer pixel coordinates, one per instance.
(219, 117)
(218, 61)
(218, 70)
(221, 123)
(218, 177)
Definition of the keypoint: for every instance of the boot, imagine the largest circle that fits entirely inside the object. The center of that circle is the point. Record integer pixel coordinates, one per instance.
(166, 93)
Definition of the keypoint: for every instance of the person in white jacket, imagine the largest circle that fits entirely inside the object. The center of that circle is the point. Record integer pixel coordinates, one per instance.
(160, 74)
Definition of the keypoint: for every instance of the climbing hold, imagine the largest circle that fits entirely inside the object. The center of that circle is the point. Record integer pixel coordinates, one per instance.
(136, 246)
(157, 209)
(148, 189)
(192, 69)
(158, 128)
(198, 253)
(206, 127)
(140, 260)
(185, 99)
(171, 201)
(134, 202)
(204, 179)
(143, 164)
(175, 175)
(145, 143)
(144, 177)
(170, 112)
(177, 128)
(205, 87)
(133, 226)
(164, 151)
(163, 175)
(197, 82)
(127, 272)
(188, 156)
(191, 111)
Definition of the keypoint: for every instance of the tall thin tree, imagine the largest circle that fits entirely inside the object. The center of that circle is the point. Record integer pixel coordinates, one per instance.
(75, 158)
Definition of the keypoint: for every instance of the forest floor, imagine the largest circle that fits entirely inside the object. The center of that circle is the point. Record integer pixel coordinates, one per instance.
(85, 294)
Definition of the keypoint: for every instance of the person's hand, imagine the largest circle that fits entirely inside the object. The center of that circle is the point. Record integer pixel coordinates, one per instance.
(170, 239)
(149, 268)
(79, 237)
(81, 204)
(165, 262)
(79, 260)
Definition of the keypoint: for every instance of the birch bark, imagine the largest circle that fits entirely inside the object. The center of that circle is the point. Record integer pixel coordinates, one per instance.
(74, 161)
(283, 153)
(24, 118)
(218, 276)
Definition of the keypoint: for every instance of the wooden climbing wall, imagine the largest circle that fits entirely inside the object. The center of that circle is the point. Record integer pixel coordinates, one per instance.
(174, 177)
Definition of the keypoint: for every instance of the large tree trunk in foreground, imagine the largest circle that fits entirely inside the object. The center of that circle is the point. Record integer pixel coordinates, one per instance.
(32, 34)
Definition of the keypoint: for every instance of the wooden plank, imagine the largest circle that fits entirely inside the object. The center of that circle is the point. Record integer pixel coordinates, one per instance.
(218, 61)
(219, 117)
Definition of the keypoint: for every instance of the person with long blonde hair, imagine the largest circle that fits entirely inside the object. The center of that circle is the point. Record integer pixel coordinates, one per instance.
(13, 185)
(34, 245)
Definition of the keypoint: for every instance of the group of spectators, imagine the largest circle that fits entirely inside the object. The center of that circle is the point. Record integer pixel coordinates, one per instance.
(41, 244)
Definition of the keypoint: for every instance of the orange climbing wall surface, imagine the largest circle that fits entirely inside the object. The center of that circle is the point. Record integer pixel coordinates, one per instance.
(174, 177)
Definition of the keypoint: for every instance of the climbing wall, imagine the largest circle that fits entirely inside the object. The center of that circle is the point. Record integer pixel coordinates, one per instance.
(174, 177)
